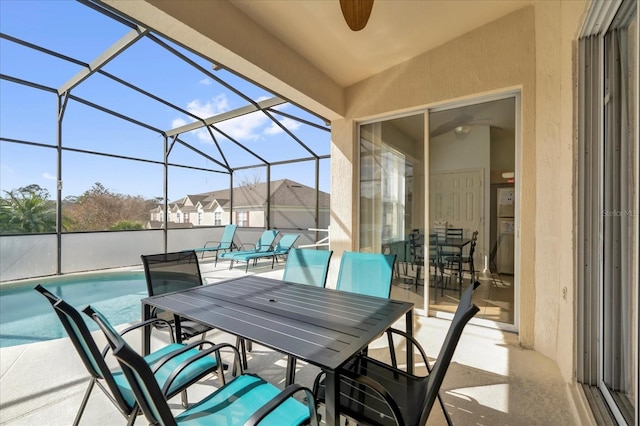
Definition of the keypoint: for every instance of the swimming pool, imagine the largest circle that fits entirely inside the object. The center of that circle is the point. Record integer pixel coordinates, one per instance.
(27, 317)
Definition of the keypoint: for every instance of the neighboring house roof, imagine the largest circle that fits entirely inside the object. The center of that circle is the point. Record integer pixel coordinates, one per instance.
(156, 224)
(284, 193)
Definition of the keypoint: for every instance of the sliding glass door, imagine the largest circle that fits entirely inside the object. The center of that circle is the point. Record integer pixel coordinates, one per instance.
(608, 210)
(619, 225)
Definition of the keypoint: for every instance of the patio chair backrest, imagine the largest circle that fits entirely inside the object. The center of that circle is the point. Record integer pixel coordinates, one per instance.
(286, 243)
(265, 242)
(113, 337)
(226, 241)
(465, 311)
(168, 272)
(84, 344)
(307, 266)
(366, 273)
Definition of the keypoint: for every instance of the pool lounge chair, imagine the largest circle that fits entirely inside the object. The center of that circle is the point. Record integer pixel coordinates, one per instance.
(264, 244)
(165, 362)
(281, 249)
(224, 245)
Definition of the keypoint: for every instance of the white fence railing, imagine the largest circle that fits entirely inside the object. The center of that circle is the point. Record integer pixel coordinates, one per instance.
(324, 242)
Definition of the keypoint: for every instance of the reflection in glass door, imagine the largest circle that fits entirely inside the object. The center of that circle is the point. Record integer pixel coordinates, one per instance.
(392, 201)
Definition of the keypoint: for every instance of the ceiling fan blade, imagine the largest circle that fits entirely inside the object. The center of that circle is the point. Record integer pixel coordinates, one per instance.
(356, 12)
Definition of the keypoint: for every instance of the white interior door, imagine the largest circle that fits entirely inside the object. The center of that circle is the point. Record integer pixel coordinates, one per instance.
(458, 198)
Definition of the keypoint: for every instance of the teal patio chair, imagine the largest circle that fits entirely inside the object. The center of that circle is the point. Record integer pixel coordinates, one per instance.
(166, 362)
(281, 249)
(245, 400)
(307, 266)
(366, 273)
(224, 245)
(264, 244)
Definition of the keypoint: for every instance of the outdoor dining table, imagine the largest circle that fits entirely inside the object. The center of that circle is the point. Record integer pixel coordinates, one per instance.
(321, 326)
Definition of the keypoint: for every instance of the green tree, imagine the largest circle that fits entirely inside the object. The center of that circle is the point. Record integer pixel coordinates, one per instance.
(27, 210)
(126, 225)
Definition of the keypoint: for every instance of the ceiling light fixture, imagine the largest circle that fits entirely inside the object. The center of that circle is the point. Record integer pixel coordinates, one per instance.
(462, 130)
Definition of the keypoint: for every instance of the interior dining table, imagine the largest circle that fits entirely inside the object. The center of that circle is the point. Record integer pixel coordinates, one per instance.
(322, 326)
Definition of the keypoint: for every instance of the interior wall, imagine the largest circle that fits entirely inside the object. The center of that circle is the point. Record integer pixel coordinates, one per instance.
(448, 152)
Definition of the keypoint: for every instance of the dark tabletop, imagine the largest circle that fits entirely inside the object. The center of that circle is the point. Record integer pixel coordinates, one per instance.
(324, 327)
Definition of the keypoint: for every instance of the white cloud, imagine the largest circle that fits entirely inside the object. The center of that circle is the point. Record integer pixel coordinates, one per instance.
(286, 122)
(178, 122)
(205, 81)
(48, 176)
(248, 127)
(217, 105)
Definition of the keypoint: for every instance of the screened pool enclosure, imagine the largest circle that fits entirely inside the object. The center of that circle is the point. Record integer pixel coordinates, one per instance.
(116, 141)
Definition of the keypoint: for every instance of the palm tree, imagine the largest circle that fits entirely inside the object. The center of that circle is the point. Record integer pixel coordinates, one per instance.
(27, 210)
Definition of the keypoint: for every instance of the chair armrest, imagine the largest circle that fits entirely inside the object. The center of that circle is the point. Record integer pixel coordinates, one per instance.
(412, 341)
(201, 354)
(246, 244)
(217, 243)
(149, 322)
(275, 402)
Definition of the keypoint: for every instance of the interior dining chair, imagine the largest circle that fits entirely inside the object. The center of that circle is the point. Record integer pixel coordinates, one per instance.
(366, 273)
(377, 393)
(224, 245)
(307, 266)
(451, 233)
(169, 272)
(436, 262)
(458, 261)
(245, 400)
(416, 247)
(164, 361)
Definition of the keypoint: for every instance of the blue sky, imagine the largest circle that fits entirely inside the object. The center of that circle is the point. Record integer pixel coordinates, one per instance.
(81, 33)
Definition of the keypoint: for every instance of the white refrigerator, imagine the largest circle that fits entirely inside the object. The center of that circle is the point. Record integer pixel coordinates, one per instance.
(505, 252)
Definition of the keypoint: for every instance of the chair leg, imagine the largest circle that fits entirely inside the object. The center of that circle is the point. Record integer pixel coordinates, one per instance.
(84, 401)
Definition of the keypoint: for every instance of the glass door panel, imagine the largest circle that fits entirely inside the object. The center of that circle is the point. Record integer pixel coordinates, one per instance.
(391, 198)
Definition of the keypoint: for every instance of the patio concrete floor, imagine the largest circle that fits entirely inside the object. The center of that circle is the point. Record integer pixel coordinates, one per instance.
(491, 381)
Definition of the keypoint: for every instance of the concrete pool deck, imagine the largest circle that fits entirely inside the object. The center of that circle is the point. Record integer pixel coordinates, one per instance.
(491, 381)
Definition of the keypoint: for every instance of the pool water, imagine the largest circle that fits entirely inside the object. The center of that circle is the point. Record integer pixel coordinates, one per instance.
(27, 317)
